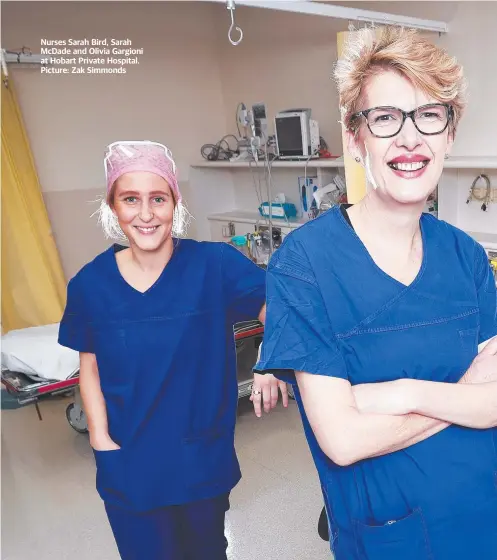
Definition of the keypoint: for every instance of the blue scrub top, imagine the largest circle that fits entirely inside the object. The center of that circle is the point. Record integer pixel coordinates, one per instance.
(167, 366)
(332, 311)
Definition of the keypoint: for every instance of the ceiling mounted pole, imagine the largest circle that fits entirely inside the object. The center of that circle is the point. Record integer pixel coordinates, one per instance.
(341, 12)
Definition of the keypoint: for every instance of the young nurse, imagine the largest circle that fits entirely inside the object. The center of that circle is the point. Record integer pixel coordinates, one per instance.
(153, 323)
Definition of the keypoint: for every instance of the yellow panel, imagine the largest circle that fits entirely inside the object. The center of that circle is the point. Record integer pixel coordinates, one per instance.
(355, 175)
(33, 284)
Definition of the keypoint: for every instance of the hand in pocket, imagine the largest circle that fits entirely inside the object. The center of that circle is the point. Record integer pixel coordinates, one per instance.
(103, 443)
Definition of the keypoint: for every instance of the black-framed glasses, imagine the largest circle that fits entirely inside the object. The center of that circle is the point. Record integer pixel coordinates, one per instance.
(385, 122)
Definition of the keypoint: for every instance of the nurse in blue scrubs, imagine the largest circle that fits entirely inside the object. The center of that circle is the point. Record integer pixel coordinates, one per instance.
(380, 309)
(154, 325)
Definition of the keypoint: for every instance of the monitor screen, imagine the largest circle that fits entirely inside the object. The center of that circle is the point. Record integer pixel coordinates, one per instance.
(289, 133)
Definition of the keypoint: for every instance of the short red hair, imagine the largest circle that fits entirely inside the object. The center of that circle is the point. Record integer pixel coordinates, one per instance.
(406, 51)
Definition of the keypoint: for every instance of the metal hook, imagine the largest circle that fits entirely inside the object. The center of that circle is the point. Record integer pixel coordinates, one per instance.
(230, 5)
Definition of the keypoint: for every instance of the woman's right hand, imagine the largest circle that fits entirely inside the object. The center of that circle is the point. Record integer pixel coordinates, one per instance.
(103, 443)
(484, 366)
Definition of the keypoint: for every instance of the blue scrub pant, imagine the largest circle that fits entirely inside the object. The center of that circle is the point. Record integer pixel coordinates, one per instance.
(193, 531)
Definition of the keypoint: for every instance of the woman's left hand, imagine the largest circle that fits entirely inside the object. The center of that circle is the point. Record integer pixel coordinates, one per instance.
(391, 397)
(265, 391)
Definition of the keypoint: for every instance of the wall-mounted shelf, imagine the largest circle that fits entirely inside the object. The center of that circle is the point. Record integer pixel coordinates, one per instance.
(456, 162)
(471, 162)
(247, 217)
(224, 185)
(312, 164)
(488, 240)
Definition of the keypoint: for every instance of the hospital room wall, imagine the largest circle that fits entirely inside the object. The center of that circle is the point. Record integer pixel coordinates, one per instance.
(454, 188)
(174, 96)
(291, 64)
(187, 86)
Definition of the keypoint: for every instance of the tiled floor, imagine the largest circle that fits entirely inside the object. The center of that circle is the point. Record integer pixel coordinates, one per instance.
(50, 509)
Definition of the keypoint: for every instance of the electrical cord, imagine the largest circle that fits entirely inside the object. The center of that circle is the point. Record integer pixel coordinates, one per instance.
(258, 189)
(221, 150)
(269, 185)
(256, 180)
(486, 198)
(257, 185)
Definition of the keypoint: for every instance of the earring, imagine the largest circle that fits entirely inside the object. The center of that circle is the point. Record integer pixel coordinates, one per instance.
(446, 156)
(358, 159)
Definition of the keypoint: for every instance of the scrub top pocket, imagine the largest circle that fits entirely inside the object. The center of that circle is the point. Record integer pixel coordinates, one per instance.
(402, 539)
(110, 475)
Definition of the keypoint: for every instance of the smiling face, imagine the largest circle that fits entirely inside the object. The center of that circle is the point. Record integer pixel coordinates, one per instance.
(144, 206)
(406, 167)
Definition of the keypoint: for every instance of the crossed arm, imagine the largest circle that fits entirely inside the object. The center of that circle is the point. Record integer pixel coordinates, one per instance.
(355, 423)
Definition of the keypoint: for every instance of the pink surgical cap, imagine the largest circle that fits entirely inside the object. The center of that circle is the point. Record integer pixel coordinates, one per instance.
(128, 156)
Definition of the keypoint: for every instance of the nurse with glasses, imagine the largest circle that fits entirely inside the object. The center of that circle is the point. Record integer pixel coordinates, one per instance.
(375, 313)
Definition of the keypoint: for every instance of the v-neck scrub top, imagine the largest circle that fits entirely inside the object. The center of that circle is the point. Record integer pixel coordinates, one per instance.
(167, 366)
(332, 311)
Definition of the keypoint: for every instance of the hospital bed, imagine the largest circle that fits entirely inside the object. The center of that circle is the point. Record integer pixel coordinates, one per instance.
(35, 366)
(26, 390)
(248, 337)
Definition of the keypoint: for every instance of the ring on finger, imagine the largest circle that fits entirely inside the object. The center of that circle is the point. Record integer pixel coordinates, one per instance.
(256, 391)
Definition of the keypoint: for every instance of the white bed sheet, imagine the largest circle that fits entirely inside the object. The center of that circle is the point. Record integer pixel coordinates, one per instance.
(36, 352)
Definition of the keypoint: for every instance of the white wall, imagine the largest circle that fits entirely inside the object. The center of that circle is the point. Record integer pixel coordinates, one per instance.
(71, 118)
(173, 96)
(473, 40)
